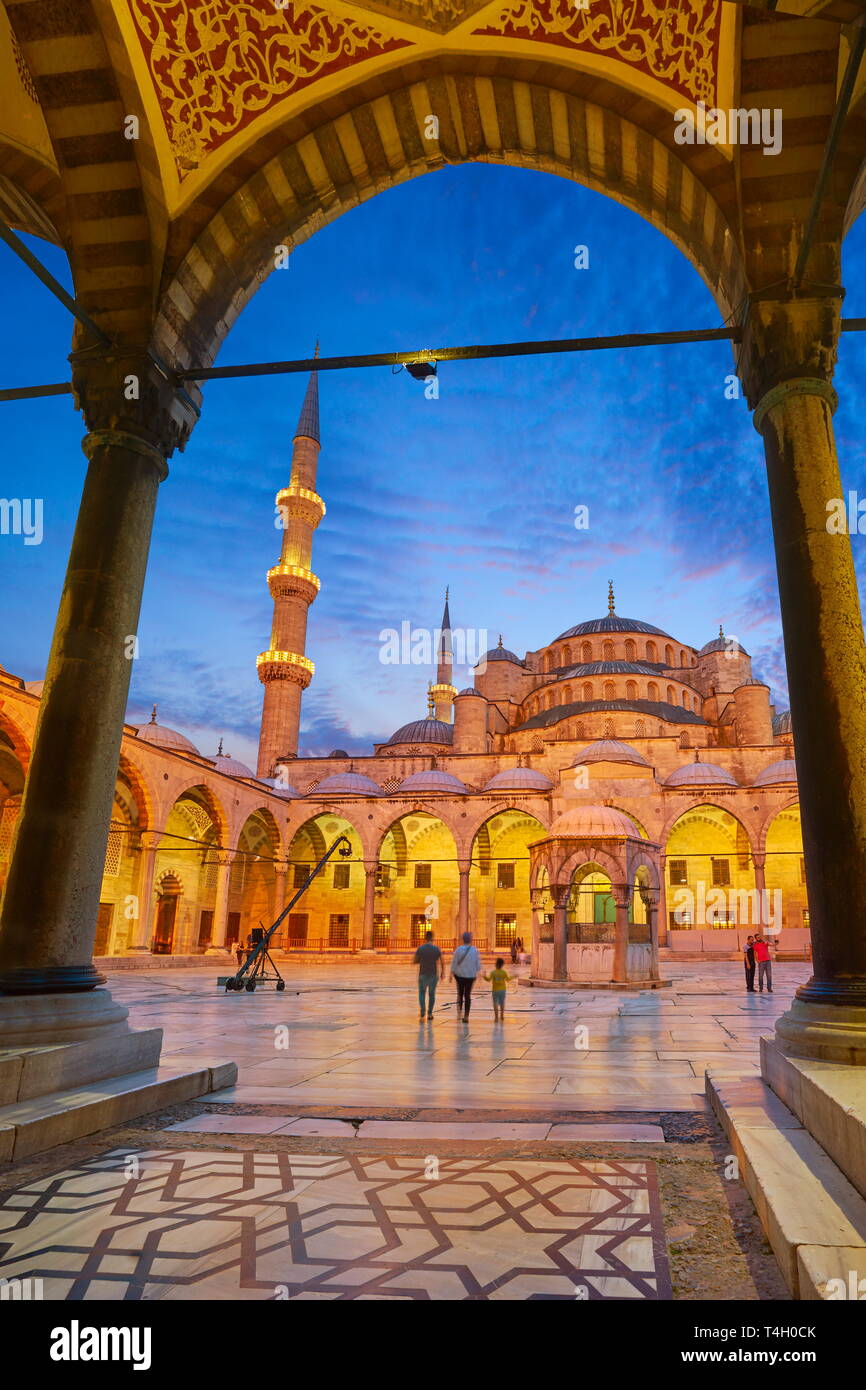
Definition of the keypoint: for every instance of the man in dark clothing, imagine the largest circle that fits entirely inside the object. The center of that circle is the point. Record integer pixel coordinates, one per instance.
(430, 963)
(749, 963)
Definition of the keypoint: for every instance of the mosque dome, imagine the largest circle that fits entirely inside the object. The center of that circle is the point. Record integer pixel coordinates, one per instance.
(602, 822)
(231, 767)
(162, 737)
(609, 750)
(424, 731)
(612, 622)
(470, 690)
(698, 774)
(519, 779)
(338, 753)
(783, 771)
(347, 784)
(501, 653)
(722, 644)
(433, 780)
(781, 723)
(279, 788)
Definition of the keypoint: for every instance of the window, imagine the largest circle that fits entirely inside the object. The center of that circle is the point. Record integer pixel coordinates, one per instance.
(630, 690)
(566, 694)
(506, 930)
(672, 695)
(381, 929)
(550, 699)
(338, 929)
(587, 692)
(301, 874)
(678, 872)
(608, 651)
(651, 651)
(721, 873)
(685, 699)
(548, 662)
(586, 652)
(805, 918)
(383, 876)
(684, 741)
(298, 927)
(652, 691)
(341, 875)
(630, 650)
(609, 690)
(669, 655)
(505, 876)
(609, 731)
(640, 729)
(682, 658)
(422, 875)
(205, 927)
(233, 928)
(112, 854)
(420, 925)
(566, 655)
(802, 869)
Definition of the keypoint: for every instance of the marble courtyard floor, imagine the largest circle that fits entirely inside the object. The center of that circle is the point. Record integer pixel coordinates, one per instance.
(566, 1153)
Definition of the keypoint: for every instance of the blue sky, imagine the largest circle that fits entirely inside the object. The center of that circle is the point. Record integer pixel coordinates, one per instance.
(476, 490)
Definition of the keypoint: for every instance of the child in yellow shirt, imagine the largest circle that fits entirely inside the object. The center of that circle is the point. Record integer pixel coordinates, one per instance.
(499, 979)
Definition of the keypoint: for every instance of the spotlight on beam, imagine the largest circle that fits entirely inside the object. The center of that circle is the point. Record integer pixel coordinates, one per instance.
(419, 371)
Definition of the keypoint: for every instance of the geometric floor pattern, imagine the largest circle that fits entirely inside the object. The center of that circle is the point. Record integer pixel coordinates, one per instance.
(169, 1224)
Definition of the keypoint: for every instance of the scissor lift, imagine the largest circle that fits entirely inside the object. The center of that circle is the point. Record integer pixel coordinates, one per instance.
(259, 967)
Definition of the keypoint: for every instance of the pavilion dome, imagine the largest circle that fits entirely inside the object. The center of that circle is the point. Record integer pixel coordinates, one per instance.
(424, 731)
(609, 750)
(231, 767)
(338, 753)
(279, 788)
(519, 779)
(470, 690)
(781, 723)
(601, 822)
(433, 780)
(163, 737)
(347, 784)
(783, 771)
(501, 653)
(698, 774)
(722, 644)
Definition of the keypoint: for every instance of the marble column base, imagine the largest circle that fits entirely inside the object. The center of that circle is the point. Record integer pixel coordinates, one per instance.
(34, 1020)
(828, 1032)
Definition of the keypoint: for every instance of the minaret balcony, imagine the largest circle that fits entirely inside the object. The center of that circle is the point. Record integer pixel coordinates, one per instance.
(441, 692)
(285, 666)
(286, 581)
(300, 504)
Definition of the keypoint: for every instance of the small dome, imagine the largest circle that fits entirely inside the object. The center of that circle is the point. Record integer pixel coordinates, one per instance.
(609, 750)
(162, 737)
(347, 784)
(424, 731)
(722, 644)
(338, 753)
(501, 653)
(433, 780)
(783, 771)
(698, 774)
(279, 788)
(519, 779)
(231, 767)
(781, 723)
(601, 822)
(470, 690)
(34, 687)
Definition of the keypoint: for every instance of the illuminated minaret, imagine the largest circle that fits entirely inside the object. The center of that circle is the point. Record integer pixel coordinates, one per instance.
(443, 691)
(284, 670)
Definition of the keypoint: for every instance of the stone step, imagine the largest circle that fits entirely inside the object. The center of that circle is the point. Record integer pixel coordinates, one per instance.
(813, 1217)
(30, 1126)
(26, 1072)
(829, 1099)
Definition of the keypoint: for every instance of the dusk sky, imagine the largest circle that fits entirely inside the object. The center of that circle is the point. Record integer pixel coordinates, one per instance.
(476, 490)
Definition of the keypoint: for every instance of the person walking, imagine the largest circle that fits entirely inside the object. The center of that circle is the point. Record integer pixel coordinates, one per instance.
(431, 965)
(499, 979)
(465, 965)
(749, 963)
(765, 965)
(514, 947)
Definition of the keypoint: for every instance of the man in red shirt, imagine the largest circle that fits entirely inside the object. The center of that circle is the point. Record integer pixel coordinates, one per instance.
(765, 965)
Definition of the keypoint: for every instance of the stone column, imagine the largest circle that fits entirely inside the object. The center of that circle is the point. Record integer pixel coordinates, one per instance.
(560, 934)
(52, 894)
(141, 934)
(758, 861)
(651, 905)
(221, 905)
(463, 868)
(370, 871)
(786, 362)
(622, 897)
(662, 906)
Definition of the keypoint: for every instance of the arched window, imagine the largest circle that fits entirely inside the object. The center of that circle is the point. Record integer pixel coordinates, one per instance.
(652, 691)
(609, 690)
(566, 695)
(696, 705)
(608, 651)
(685, 699)
(587, 692)
(586, 652)
(609, 731)
(682, 658)
(669, 655)
(550, 699)
(578, 731)
(548, 662)
(672, 695)
(640, 729)
(684, 740)
(566, 655)
(630, 690)
(651, 652)
(630, 650)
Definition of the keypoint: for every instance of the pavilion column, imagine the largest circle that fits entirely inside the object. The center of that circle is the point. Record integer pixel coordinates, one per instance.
(758, 862)
(662, 905)
(141, 933)
(622, 898)
(221, 904)
(560, 934)
(370, 872)
(787, 362)
(651, 905)
(52, 893)
(463, 869)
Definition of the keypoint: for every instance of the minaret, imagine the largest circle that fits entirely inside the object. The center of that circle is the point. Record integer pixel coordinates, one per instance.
(443, 691)
(284, 670)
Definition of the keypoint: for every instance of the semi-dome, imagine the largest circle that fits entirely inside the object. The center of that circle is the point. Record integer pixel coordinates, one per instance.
(698, 774)
(519, 779)
(424, 731)
(433, 780)
(609, 750)
(470, 690)
(781, 723)
(162, 737)
(347, 784)
(232, 767)
(600, 822)
(783, 771)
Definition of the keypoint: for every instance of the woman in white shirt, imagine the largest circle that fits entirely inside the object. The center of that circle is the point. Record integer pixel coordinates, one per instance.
(465, 965)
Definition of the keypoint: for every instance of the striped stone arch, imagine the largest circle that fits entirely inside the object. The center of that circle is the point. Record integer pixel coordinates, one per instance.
(376, 139)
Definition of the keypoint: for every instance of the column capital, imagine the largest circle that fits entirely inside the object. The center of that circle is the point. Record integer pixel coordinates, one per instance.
(787, 342)
(128, 394)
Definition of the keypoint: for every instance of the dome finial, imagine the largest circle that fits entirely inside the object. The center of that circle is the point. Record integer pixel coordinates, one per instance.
(500, 642)
(721, 631)
(610, 601)
(429, 703)
(153, 715)
(219, 751)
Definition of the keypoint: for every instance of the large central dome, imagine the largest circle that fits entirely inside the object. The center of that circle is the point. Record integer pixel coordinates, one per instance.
(611, 623)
